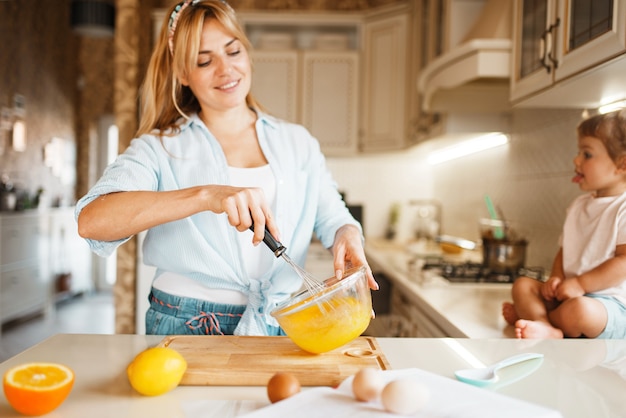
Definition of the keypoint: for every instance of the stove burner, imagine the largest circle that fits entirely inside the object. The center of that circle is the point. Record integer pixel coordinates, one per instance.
(477, 273)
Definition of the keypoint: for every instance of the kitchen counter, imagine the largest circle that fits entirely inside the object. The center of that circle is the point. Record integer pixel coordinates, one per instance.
(458, 310)
(580, 378)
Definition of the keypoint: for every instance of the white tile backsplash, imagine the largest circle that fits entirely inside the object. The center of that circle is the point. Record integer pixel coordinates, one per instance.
(529, 180)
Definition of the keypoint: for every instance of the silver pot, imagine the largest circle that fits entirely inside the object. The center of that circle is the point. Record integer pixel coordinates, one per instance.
(502, 256)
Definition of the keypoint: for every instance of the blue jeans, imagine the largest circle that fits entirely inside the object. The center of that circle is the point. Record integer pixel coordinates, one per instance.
(176, 315)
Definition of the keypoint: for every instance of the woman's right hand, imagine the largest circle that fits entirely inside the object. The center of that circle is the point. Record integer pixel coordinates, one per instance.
(243, 207)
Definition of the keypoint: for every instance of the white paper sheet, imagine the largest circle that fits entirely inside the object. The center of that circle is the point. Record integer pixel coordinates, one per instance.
(448, 398)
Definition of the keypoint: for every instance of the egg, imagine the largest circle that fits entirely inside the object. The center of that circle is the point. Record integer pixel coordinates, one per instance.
(367, 384)
(404, 396)
(281, 386)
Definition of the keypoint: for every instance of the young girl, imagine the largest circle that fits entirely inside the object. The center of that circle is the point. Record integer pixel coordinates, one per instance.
(585, 295)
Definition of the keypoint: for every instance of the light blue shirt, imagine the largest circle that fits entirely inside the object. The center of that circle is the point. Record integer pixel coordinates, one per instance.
(204, 247)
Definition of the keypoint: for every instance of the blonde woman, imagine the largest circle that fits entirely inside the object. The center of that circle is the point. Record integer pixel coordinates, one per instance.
(207, 164)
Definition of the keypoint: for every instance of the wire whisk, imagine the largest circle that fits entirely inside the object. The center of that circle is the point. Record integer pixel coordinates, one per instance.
(310, 282)
(312, 285)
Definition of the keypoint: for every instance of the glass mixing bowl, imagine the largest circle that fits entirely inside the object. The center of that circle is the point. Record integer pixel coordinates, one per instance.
(322, 321)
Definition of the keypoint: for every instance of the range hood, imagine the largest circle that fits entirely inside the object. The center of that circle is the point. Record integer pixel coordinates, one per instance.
(473, 75)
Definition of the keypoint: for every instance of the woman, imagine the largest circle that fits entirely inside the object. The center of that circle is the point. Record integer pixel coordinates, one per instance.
(206, 165)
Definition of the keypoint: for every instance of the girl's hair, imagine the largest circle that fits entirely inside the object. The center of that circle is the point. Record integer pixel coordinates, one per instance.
(163, 98)
(610, 128)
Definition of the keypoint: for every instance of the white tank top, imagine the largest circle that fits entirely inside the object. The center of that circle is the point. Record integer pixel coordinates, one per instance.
(257, 260)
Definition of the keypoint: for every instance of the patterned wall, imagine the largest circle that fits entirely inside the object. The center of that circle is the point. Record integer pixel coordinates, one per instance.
(37, 52)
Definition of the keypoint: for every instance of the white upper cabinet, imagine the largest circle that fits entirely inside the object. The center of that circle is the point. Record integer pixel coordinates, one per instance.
(385, 83)
(344, 76)
(306, 70)
(276, 82)
(330, 102)
(568, 53)
(318, 89)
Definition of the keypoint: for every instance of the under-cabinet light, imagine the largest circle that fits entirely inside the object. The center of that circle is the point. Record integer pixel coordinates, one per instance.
(467, 147)
(611, 107)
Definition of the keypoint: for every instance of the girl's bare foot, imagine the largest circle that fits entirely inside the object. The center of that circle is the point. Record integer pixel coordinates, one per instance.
(536, 329)
(509, 313)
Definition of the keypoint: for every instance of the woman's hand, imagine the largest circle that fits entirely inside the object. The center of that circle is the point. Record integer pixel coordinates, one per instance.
(348, 252)
(243, 207)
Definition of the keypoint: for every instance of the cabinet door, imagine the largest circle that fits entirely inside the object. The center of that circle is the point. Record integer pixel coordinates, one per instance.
(532, 37)
(69, 253)
(275, 83)
(21, 239)
(593, 31)
(432, 24)
(385, 83)
(22, 291)
(330, 99)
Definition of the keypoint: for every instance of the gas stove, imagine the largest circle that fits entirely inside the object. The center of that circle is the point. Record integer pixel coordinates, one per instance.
(471, 272)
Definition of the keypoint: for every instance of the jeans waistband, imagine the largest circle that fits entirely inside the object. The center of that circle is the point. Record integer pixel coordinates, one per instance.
(187, 307)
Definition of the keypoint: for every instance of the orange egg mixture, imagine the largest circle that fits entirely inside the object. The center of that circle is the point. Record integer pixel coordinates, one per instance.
(325, 326)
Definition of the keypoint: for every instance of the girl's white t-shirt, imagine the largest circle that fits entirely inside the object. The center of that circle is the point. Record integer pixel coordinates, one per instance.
(257, 259)
(594, 226)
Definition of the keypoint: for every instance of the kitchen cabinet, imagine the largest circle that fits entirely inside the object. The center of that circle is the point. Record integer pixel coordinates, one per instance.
(355, 95)
(276, 78)
(307, 70)
(385, 93)
(318, 89)
(557, 40)
(433, 25)
(330, 99)
(24, 280)
(69, 253)
(422, 326)
(35, 248)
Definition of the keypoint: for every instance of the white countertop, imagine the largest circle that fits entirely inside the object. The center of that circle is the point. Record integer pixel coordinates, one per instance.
(580, 378)
(461, 310)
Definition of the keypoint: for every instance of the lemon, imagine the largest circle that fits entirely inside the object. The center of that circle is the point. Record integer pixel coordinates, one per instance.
(156, 371)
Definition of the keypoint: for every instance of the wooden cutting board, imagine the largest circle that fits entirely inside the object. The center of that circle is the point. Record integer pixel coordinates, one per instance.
(215, 360)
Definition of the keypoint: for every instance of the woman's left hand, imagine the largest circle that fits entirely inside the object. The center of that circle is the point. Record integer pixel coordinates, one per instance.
(348, 252)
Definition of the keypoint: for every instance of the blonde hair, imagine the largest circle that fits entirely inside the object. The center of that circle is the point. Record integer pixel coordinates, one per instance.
(163, 98)
(610, 128)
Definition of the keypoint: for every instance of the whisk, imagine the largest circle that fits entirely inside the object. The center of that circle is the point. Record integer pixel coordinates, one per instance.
(313, 285)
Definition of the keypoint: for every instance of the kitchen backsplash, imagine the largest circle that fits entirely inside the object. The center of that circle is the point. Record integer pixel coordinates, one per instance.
(529, 181)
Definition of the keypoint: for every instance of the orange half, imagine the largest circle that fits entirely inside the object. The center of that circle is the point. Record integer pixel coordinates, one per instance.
(37, 388)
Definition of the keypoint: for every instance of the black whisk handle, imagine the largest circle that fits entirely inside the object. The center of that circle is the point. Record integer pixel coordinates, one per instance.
(277, 248)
